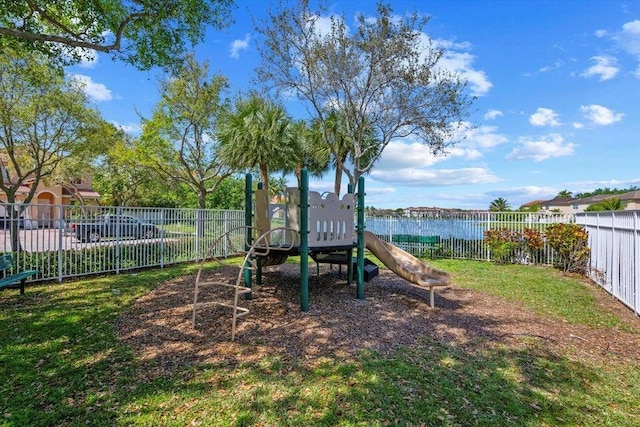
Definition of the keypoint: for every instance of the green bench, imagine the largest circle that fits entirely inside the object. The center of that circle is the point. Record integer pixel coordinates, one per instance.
(13, 281)
(430, 243)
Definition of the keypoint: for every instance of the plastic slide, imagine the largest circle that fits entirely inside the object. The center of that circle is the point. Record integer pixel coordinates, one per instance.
(406, 265)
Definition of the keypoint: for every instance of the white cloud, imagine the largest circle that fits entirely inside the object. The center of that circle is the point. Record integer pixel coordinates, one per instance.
(544, 117)
(556, 65)
(462, 63)
(435, 177)
(553, 145)
(402, 154)
(406, 153)
(97, 91)
(492, 114)
(629, 37)
(606, 67)
(482, 137)
(456, 58)
(600, 115)
(130, 128)
(238, 45)
(600, 33)
(321, 186)
(526, 193)
(89, 57)
(577, 125)
(322, 24)
(379, 191)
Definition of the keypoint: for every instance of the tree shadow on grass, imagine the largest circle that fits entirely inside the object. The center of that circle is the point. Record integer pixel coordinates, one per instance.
(389, 359)
(432, 384)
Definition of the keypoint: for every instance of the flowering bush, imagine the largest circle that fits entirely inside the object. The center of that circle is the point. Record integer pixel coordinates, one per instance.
(570, 243)
(509, 246)
(534, 244)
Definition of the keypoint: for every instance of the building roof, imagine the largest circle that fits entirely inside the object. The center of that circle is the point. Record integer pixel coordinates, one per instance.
(567, 201)
(533, 203)
(87, 194)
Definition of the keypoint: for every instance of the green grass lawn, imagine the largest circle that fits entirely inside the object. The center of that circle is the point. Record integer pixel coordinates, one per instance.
(62, 364)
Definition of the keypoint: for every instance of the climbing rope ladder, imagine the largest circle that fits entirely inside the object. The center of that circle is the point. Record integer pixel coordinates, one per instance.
(269, 248)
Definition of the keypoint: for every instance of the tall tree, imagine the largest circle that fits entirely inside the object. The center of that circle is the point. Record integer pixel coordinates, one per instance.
(258, 134)
(86, 159)
(340, 147)
(43, 121)
(139, 32)
(565, 193)
(499, 205)
(180, 141)
(383, 74)
(121, 181)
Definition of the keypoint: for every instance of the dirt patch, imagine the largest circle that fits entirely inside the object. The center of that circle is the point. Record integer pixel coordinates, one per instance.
(393, 314)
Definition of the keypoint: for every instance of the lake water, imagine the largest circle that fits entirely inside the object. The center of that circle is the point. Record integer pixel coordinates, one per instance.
(455, 228)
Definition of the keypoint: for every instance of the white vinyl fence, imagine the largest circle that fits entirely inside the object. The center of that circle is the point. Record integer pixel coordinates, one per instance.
(134, 238)
(460, 234)
(614, 240)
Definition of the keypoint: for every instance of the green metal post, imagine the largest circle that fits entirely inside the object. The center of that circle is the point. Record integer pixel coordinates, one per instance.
(248, 210)
(259, 267)
(360, 228)
(350, 254)
(304, 240)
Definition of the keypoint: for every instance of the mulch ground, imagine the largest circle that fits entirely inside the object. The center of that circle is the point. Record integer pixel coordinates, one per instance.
(394, 314)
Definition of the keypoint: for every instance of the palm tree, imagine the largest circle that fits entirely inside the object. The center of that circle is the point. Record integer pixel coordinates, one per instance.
(499, 205)
(611, 204)
(565, 194)
(313, 154)
(332, 136)
(258, 134)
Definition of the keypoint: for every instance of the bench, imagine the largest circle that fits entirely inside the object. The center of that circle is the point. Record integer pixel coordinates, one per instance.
(13, 281)
(430, 243)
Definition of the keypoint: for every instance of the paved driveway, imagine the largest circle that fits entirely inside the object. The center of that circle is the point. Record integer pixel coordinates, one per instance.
(47, 240)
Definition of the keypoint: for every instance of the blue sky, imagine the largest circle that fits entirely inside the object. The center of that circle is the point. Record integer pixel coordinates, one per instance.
(557, 86)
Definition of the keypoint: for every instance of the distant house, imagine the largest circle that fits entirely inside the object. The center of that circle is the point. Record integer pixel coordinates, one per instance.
(571, 205)
(418, 212)
(632, 200)
(42, 206)
(532, 204)
(558, 204)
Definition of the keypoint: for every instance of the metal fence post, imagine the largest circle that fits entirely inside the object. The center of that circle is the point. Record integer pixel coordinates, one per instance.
(118, 237)
(636, 262)
(61, 228)
(162, 236)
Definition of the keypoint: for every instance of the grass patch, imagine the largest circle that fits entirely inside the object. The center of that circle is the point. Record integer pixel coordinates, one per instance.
(62, 364)
(545, 290)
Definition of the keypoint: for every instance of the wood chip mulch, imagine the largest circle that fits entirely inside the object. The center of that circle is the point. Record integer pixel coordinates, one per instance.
(393, 314)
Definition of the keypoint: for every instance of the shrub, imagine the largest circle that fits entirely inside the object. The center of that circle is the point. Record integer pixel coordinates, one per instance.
(534, 243)
(511, 246)
(570, 243)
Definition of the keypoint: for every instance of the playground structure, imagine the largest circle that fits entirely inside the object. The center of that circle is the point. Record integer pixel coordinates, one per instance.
(319, 226)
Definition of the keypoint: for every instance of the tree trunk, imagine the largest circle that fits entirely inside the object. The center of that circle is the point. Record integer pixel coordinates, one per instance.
(264, 176)
(338, 179)
(14, 227)
(200, 220)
